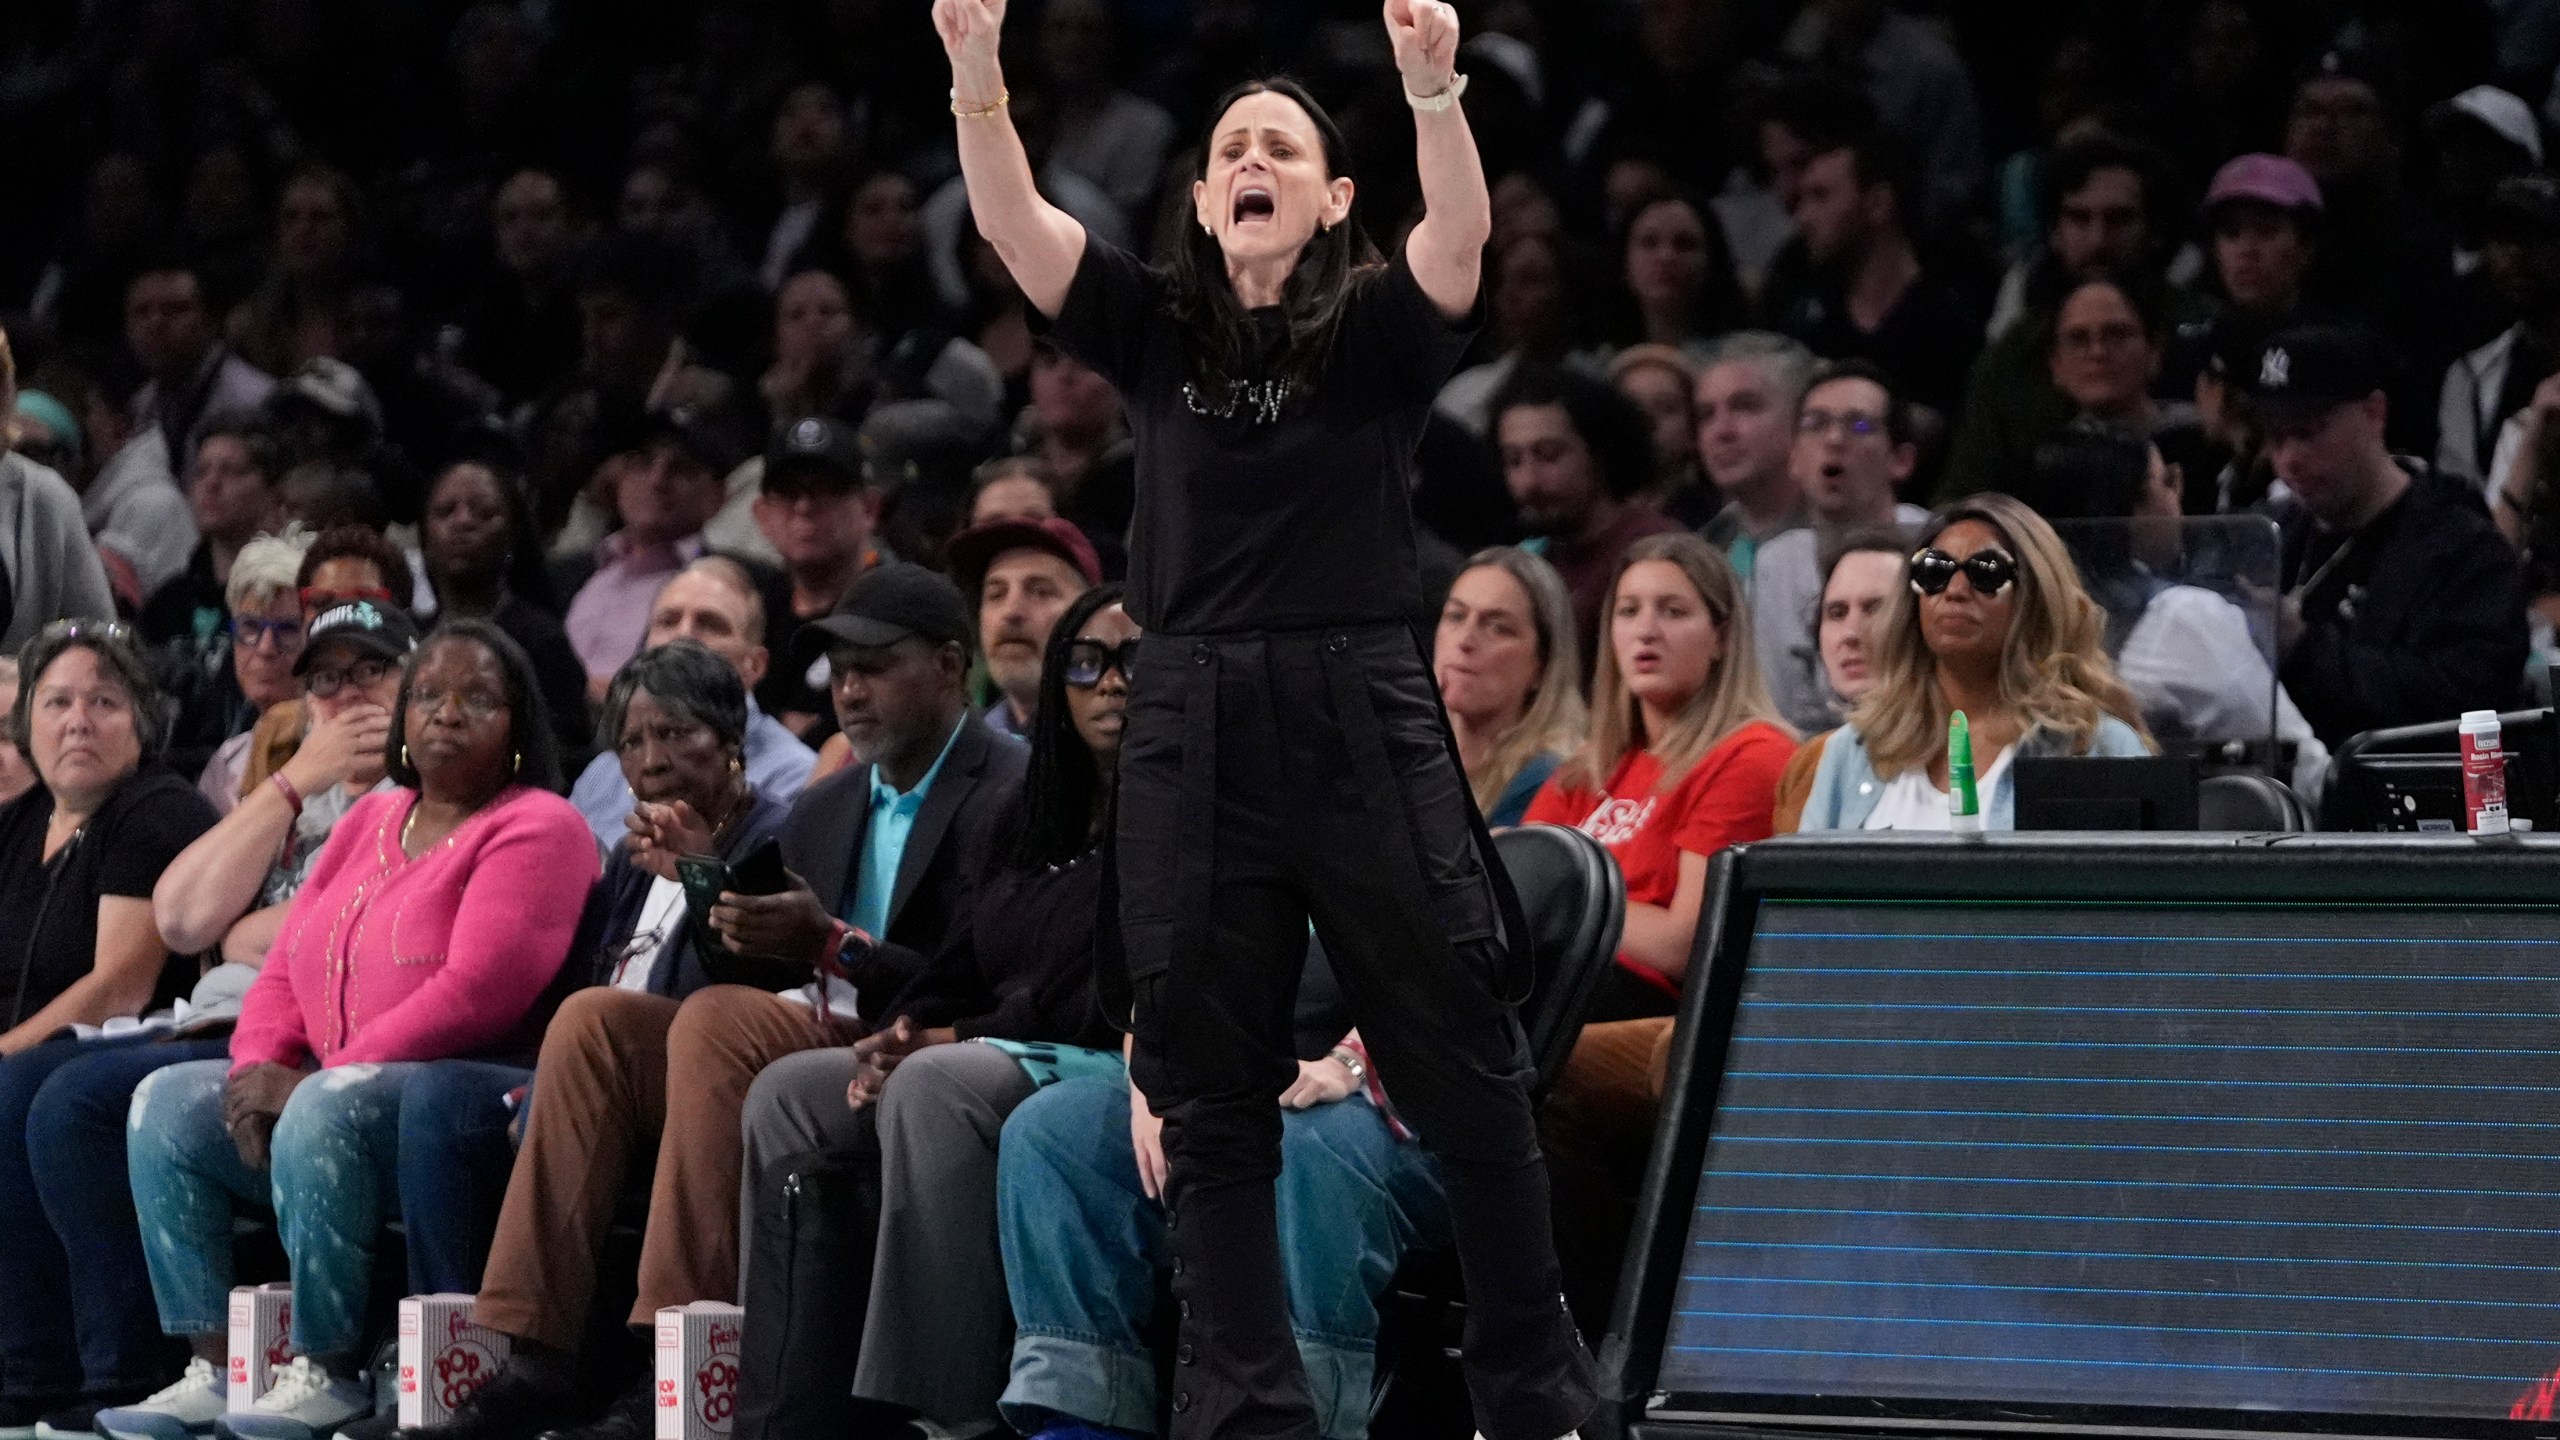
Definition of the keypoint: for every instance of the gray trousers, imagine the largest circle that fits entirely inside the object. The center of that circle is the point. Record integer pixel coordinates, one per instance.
(938, 1336)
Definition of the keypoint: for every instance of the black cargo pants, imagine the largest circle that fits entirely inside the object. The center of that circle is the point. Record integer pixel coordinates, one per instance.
(1267, 780)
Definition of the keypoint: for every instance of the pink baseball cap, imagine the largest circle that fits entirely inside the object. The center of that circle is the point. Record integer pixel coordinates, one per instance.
(2267, 179)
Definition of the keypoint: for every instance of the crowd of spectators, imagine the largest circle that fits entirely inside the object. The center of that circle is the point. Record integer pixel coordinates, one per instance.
(463, 458)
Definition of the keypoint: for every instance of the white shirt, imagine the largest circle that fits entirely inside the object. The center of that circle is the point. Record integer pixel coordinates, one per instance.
(136, 509)
(1910, 802)
(2192, 659)
(661, 911)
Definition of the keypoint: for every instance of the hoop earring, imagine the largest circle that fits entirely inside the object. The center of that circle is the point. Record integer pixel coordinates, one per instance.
(404, 754)
(1205, 230)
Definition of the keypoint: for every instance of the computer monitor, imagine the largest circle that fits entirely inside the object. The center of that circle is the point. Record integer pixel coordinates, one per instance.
(2146, 1135)
(2409, 778)
(2092, 792)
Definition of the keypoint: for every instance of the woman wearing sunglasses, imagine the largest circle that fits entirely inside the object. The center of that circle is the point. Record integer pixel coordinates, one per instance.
(930, 1336)
(1993, 621)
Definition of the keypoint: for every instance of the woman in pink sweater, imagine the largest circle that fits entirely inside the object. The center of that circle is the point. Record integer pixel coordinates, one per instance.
(434, 920)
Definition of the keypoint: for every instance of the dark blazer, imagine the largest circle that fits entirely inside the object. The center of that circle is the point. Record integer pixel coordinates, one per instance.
(2436, 627)
(614, 912)
(950, 849)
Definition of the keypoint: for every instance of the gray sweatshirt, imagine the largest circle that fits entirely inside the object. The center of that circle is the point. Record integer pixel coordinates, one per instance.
(46, 557)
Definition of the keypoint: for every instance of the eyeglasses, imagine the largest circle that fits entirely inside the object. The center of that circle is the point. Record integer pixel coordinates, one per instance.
(322, 681)
(248, 630)
(475, 704)
(1089, 660)
(315, 601)
(1857, 423)
(1988, 571)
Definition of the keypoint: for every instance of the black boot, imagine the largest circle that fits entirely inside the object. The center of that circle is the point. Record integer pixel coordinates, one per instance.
(1527, 1371)
(1235, 1374)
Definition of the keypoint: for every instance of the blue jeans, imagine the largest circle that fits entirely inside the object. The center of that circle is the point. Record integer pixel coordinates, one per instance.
(1082, 1244)
(68, 1211)
(454, 1157)
(333, 1180)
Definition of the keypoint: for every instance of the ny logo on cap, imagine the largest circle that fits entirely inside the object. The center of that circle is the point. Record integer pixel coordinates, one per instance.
(808, 434)
(2275, 369)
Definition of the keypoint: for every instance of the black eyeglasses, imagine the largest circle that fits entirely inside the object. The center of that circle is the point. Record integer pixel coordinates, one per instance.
(1988, 571)
(322, 681)
(1088, 660)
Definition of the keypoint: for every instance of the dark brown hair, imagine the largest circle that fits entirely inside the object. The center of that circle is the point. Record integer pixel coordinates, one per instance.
(1336, 262)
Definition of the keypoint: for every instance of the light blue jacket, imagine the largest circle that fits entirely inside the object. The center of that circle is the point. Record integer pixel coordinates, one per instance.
(1846, 788)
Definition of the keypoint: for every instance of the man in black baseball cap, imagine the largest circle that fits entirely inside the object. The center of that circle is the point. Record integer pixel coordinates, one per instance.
(892, 845)
(2402, 604)
(350, 668)
(361, 630)
(818, 510)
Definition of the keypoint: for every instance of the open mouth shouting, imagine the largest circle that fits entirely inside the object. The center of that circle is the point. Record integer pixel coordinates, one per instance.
(1255, 205)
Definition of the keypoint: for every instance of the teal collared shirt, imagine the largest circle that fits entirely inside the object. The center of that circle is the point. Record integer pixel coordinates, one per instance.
(884, 844)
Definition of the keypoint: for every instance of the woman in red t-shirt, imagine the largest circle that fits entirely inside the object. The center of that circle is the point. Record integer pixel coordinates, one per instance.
(1684, 759)
(1684, 755)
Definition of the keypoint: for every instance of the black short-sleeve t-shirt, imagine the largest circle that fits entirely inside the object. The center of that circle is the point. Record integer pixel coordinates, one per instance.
(121, 851)
(1261, 511)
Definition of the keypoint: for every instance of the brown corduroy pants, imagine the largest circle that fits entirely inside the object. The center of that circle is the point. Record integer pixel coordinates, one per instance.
(620, 1070)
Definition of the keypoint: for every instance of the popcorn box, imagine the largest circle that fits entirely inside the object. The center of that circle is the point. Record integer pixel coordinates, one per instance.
(444, 1356)
(261, 1340)
(697, 1370)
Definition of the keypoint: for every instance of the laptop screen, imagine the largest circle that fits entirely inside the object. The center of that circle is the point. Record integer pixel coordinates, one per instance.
(2134, 1156)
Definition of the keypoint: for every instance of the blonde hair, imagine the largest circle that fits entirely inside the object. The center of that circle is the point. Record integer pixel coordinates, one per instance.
(2053, 664)
(1553, 721)
(1734, 695)
(269, 566)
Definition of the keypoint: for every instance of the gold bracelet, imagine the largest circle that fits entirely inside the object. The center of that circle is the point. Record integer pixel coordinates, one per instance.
(1003, 96)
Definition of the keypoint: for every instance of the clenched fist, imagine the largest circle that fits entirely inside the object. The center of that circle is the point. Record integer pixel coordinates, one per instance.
(970, 30)
(1425, 34)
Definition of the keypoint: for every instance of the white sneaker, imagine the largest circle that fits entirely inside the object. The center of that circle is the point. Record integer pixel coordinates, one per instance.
(187, 1408)
(302, 1402)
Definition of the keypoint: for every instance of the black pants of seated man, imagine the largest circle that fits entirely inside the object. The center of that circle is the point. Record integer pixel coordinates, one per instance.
(1266, 780)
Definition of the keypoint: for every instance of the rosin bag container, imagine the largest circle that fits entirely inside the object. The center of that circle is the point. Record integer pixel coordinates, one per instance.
(697, 1370)
(261, 1341)
(444, 1356)
(2484, 773)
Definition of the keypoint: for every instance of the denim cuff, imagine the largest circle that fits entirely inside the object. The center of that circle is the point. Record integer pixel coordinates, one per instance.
(1057, 1375)
(1340, 1379)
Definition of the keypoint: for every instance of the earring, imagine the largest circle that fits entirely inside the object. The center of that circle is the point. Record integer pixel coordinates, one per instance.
(737, 765)
(518, 768)
(404, 754)
(1205, 230)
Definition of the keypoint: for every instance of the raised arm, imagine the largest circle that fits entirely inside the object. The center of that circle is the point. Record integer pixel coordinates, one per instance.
(1446, 250)
(1038, 242)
